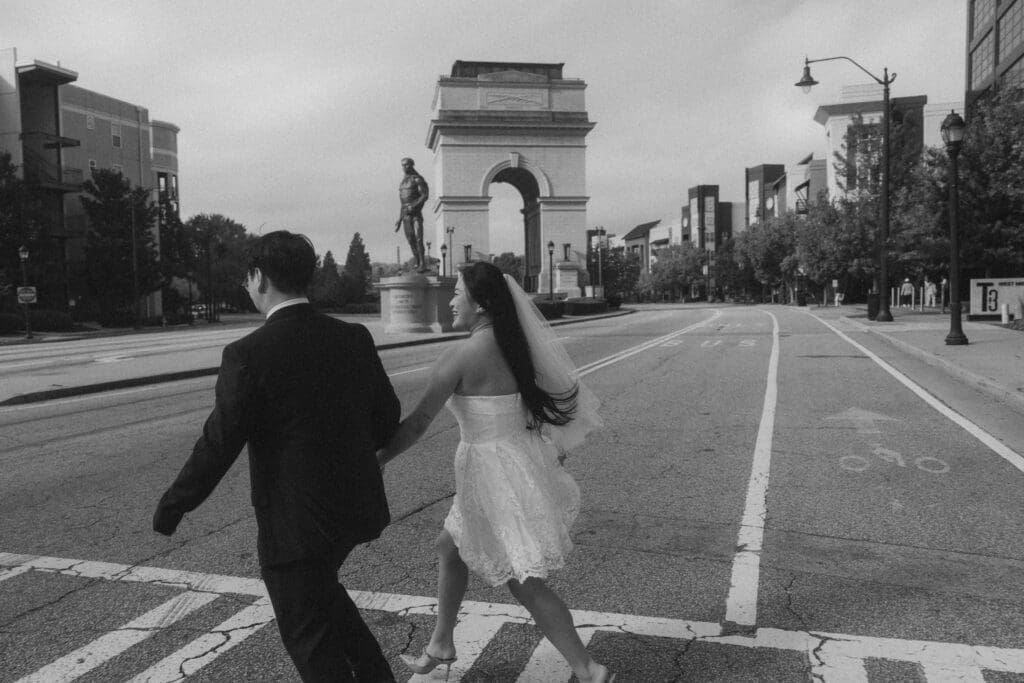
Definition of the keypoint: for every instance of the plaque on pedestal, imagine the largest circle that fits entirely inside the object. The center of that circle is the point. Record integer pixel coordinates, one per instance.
(416, 303)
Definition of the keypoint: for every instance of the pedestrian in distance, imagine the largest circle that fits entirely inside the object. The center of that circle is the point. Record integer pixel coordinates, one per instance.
(906, 293)
(520, 406)
(929, 293)
(310, 397)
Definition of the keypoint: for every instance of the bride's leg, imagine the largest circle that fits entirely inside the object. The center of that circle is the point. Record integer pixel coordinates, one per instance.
(452, 579)
(554, 620)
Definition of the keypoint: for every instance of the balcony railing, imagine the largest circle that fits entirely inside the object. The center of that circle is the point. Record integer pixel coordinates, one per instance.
(801, 206)
(44, 173)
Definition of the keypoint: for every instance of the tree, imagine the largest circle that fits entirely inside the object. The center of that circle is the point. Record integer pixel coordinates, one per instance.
(769, 249)
(20, 225)
(510, 264)
(677, 267)
(357, 272)
(620, 271)
(179, 259)
(328, 289)
(116, 212)
(221, 263)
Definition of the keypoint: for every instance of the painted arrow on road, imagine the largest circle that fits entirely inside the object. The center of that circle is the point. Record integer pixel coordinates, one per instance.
(863, 420)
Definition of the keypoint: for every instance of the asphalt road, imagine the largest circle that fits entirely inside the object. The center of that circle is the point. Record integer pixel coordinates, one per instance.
(773, 498)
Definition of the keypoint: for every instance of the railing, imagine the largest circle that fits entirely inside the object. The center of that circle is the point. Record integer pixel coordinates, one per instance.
(41, 171)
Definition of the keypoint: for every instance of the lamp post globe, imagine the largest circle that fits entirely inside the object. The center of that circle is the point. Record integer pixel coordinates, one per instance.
(952, 131)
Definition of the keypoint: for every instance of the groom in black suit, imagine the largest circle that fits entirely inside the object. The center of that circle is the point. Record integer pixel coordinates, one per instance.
(309, 395)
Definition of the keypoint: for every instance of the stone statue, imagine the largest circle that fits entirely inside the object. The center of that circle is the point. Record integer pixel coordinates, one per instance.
(413, 194)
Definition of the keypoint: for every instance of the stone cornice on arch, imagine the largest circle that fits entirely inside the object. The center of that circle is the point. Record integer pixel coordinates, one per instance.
(517, 161)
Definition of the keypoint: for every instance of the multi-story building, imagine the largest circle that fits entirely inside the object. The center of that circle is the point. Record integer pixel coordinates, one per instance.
(31, 132)
(57, 133)
(995, 46)
(707, 222)
(805, 183)
(766, 192)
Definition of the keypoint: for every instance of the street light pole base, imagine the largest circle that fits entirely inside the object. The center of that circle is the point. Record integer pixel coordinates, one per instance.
(884, 316)
(956, 339)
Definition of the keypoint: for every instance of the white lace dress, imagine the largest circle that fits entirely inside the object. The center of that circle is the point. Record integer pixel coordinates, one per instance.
(514, 503)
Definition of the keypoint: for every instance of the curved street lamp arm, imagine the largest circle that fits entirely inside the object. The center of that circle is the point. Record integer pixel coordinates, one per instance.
(889, 78)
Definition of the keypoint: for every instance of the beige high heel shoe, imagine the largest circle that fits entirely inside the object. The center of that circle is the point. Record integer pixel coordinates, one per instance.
(432, 663)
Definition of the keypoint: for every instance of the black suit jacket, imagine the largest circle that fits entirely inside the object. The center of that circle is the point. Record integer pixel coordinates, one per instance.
(309, 394)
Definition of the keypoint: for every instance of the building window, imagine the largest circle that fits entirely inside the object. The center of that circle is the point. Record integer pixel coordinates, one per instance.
(161, 182)
(1011, 29)
(1014, 76)
(174, 186)
(981, 16)
(115, 134)
(982, 62)
(117, 168)
(90, 122)
(92, 164)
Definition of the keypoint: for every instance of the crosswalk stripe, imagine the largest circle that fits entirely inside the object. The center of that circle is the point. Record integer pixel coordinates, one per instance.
(834, 657)
(208, 647)
(86, 658)
(14, 571)
(547, 664)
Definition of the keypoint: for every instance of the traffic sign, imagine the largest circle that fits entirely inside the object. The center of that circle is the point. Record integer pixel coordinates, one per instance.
(26, 295)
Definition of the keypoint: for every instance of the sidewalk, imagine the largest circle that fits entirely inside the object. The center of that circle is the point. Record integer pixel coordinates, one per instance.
(993, 361)
(53, 366)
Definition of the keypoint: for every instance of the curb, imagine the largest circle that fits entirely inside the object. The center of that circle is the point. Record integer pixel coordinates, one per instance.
(993, 389)
(99, 387)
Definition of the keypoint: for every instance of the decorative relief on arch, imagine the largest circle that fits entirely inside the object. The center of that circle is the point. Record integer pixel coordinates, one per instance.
(516, 160)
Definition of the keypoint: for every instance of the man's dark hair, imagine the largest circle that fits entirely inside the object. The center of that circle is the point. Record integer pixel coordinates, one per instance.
(286, 258)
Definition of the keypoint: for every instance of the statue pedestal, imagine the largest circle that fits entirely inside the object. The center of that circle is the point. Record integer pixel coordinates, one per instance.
(416, 303)
(567, 277)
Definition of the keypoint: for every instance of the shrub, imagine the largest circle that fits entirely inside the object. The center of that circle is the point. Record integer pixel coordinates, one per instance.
(359, 308)
(613, 301)
(11, 323)
(550, 309)
(586, 306)
(115, 319)
(50, 321)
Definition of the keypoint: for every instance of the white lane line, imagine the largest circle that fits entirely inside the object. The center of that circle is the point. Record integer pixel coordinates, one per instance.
(639, 348)
(950, 674)
(741, 604)
(974, 430)
(109, 645)
(203, 650)
(14, 571)
(406, 372)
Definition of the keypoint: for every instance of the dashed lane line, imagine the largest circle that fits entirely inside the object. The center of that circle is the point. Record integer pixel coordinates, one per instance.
(741, 604)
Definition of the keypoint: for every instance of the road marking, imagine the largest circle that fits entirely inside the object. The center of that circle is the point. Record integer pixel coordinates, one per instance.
(633, 350)
(86, 658)
(741, 604)
(204, 649)
(974, 430)
(834, 657)
(406, 372)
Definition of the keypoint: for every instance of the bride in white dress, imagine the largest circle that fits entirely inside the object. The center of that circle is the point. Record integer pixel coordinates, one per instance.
(520, 406)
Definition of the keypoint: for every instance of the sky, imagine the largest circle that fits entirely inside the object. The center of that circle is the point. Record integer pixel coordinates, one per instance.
(297, 115)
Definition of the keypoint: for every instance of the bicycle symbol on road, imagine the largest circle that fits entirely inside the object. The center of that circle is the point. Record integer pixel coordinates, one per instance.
(926, 463)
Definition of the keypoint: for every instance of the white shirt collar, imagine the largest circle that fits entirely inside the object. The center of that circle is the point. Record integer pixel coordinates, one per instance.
(284, 304)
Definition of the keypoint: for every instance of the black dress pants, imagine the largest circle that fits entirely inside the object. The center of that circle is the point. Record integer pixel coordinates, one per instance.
(320, 626)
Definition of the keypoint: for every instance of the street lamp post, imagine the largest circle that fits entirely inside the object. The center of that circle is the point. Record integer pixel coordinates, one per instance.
(806, 82)
(136, 322)
(551, 271)
(952, 135)
(428, 255)
(451, 249)
(600, 243)
(444, 259)
(23, 256)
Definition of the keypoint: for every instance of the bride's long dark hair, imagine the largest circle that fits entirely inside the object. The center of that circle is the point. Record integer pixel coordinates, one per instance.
(486, 285)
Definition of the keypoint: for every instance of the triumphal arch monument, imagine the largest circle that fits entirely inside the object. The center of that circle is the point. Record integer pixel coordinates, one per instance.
(518, 123)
